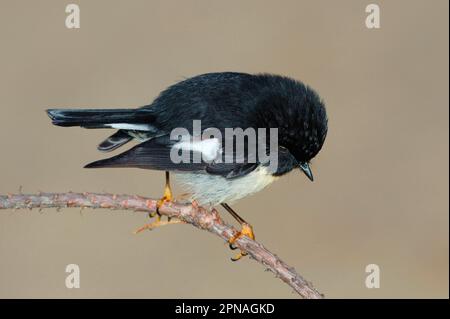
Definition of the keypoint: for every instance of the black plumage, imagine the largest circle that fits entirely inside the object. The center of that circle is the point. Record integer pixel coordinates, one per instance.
(219, 100)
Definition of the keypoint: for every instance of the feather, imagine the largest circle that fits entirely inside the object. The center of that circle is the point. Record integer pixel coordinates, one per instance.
(114, 141)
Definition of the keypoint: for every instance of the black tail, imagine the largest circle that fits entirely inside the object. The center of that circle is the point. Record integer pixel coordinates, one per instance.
(98, 118)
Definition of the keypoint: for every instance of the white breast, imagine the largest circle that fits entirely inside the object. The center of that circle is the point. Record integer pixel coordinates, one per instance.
(212, 190)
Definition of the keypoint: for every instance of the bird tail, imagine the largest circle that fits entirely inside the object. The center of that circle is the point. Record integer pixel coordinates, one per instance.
(102, 118)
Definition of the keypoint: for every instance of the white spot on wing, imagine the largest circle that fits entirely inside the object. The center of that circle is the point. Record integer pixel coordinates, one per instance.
(209, 148)
(129, 126)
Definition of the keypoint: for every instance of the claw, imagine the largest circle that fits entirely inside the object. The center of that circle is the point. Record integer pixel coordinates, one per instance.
(157, 223)
(246, 230)
(167, 197)
(239, 256)
(233, 259)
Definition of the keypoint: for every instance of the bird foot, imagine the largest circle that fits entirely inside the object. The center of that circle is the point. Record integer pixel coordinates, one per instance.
(158, 223)
(246, 230)
(167, 197)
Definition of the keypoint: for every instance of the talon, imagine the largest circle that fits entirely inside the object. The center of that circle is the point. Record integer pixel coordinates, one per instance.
(239, 256)
(233, 259)
(158, 223)
(161, 202)
(149, 226)
(167, 197)
(247, 230)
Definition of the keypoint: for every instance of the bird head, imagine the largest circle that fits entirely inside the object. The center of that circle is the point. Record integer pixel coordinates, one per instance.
(300, 116)
(307, 131)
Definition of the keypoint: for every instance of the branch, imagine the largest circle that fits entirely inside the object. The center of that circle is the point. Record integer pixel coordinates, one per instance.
(190, 214)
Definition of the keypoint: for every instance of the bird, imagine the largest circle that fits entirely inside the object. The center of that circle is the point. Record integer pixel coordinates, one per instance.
(219, 101)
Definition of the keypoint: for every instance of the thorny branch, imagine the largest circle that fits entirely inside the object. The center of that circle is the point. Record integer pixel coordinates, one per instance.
(186, 213)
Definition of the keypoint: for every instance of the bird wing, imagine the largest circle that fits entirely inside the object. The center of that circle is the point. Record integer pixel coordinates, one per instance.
(152, 154)
(230, 170)
(158, 153)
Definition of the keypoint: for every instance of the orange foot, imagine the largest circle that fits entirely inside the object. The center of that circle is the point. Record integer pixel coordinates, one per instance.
(167, 197)
(157, 223)
(246, 230)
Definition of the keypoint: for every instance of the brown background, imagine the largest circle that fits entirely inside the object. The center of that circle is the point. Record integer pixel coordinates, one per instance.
(381, 190)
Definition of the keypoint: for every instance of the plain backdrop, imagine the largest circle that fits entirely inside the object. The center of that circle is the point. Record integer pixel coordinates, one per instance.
(381, 190)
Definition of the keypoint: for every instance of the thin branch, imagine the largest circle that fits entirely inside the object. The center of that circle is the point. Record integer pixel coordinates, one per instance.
(187, 213)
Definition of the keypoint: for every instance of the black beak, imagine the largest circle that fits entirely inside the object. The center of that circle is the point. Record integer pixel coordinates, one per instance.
(307, 170)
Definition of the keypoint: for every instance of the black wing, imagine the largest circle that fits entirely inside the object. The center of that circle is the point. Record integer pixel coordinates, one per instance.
(155, 154)
(230, 170)
(152, 154)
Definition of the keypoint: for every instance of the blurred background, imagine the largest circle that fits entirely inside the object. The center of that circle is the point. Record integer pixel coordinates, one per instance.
(381, 190)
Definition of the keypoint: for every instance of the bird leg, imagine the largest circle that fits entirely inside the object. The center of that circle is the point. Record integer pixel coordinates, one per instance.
(246, 230)
(167, 197)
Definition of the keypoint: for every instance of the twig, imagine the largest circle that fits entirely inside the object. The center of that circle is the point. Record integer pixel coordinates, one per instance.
(187, 213)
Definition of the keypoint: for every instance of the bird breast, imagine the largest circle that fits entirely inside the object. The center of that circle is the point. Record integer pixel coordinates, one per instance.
(211, 190)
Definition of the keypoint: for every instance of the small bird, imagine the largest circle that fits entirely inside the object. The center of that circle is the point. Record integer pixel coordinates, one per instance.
(219, 101)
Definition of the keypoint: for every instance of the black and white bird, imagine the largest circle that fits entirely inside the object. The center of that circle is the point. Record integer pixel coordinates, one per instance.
(221, 101)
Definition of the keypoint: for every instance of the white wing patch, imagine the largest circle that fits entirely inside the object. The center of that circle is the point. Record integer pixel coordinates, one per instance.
(129, 126)
(209, 148)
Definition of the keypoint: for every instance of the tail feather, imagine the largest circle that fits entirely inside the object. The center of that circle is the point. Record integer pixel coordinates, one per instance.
(99, 118)
(115, 141)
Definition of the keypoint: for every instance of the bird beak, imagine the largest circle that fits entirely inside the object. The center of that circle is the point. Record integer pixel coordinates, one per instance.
(307, 170)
